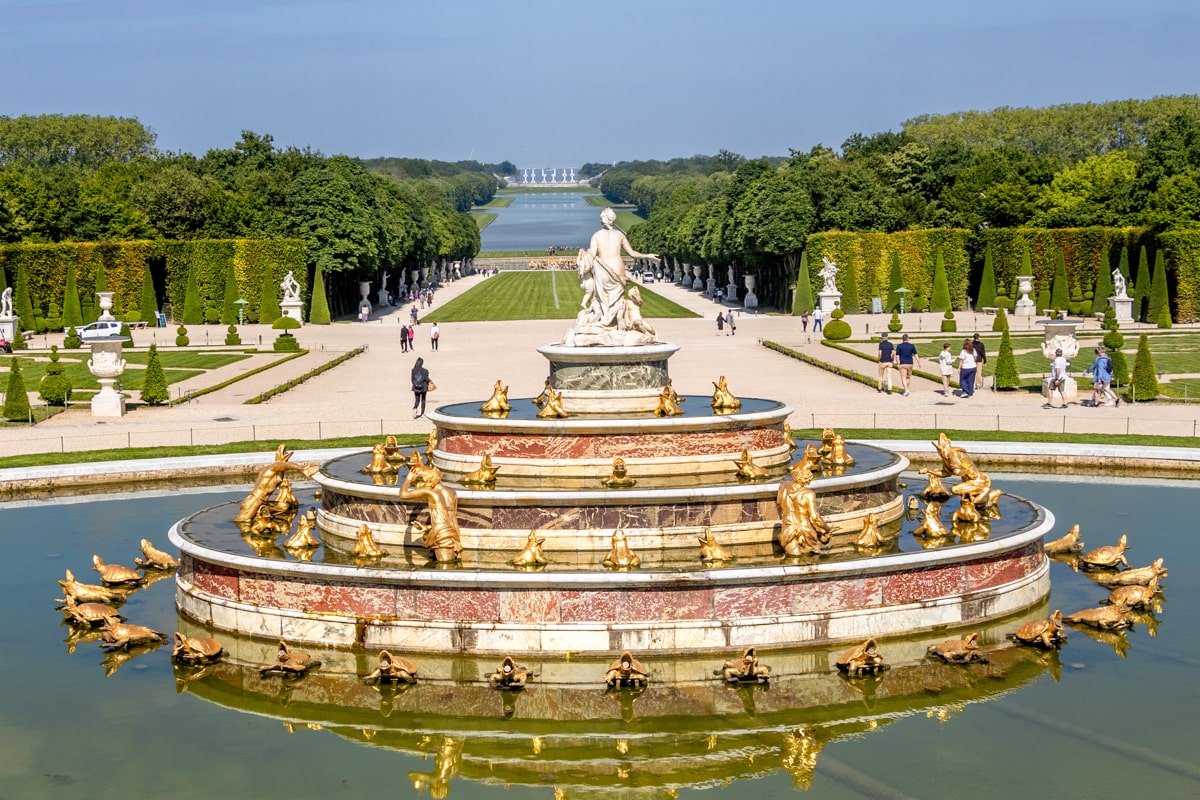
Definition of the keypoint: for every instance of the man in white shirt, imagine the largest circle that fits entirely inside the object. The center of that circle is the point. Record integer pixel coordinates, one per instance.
(1058, 374)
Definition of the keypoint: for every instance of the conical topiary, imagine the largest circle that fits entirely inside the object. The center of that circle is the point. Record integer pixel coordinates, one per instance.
(1000, 323)
(940, 299)
(850, 299)
(149, 303)
(802, 304)
(72, 310)
(55, 386)
(1104, 282)
(1006, 376)
(987, 283)
(895, 282)
(1113, 342)
(16, 402)
(1141, 287)
(23, 304)
(1145, 378)
(1164, 317)
(1060, 297)
(229, 308)
(154, 382)
(318, 311)
(1158, 292)
(268, 300)
(193, 311)
(181, 337)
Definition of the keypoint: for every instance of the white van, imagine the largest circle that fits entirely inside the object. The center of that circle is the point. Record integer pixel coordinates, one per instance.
(99, 330)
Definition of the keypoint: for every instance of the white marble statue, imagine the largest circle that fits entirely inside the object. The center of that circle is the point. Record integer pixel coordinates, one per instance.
(6, 302)
(1119, 289)
(829, 272)
(602, 276)
(291, 287)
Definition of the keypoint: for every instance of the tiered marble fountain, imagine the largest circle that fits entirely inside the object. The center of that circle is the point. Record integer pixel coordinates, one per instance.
(550, 478)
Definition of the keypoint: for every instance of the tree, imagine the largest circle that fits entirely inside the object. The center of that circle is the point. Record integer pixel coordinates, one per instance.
(1141, 287)
(72, 311)
(728, 160)
(229, 308)
(1158, 291)
(268, 300)
(1006, 376)
(193, 313)
(1145, 378)
(1104, 282)
(76, 140)
(23, 304)
(1059, 291)
(16, 402)
(895, 281)
(987, 284)
(850, 297)
(804, 299)
(940, 299)
(175, 201)
(1000, 323)
(181, 337)
(154, 382)
(55, 386)
(149, 303)
(318, 309)
(1113, 342)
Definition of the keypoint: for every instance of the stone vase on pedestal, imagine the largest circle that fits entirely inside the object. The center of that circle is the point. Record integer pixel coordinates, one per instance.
(1024, 306)
(107, 365)
(697, 281)
(751, 300)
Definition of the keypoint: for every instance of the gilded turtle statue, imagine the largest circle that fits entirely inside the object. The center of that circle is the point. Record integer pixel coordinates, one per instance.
(957, 651)
(1106, 618)
(1139, 576)
(745, 669)
(1135, 596)
(89, 592)
(115, 574)
(1046, 633)
(122, 635)
(1068, 543)
(392, 669)
(862, 659)
(155, 558)
(509, 675)
(289, 662)
(1106, 557)
(195, 649)
(626, 672)
(89, 614)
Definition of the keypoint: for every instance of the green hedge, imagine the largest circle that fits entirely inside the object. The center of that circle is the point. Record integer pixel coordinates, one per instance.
(1182, 250)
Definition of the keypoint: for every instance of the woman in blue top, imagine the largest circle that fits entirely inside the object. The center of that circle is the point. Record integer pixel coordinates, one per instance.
(1101, 371)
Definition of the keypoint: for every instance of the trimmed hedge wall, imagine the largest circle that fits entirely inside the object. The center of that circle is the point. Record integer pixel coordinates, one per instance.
(1182, 250)
(125, 264)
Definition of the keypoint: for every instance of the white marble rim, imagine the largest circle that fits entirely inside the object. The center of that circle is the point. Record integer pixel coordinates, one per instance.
(599, 354)
(721, 577)
(714, 423)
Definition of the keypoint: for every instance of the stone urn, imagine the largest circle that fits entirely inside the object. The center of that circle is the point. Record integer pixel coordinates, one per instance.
(751, 300)
(1024, 306)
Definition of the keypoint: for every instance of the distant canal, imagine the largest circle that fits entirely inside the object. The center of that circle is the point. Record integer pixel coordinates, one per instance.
(539, 221)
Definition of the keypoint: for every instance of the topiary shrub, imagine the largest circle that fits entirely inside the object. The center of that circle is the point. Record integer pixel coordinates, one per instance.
(895, 325)
(837, 328)
(55, 387)
(1144, 387)
(154, 383)
(286, 343)
(1000, 323)
(1113, 342)
(231, 336)
(286, 324)
(181, 337)
(948, 323)
(1164, 316)
(16, 402)
(1043, 300)
(212, 315)
(318, 310)
(1006, 376)
(72, 341)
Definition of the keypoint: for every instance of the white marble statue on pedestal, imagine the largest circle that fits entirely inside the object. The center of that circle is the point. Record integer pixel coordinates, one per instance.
(6, 303)
(1119, 289)
(291, 304)
(830, 297)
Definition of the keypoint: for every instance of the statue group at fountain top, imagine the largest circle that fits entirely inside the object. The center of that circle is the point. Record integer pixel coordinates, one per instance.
(608, 317)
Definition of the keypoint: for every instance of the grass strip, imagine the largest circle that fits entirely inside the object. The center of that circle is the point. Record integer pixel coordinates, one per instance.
(294, 382)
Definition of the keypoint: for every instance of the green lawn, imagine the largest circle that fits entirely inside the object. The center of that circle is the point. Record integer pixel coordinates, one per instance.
(482, 220)
(531, 295)
(497, 202)
(599, 200)
(177, 366)
(627, 219)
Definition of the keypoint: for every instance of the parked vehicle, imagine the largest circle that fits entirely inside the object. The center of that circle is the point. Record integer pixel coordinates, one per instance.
(99, 330)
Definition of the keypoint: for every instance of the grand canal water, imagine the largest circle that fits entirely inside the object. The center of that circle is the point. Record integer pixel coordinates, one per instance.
(1103, 720)
(539, 221)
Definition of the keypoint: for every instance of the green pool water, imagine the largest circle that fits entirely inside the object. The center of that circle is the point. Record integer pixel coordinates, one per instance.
(1093, 723)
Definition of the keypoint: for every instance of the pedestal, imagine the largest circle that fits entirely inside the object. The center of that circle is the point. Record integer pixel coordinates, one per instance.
(107, 365)
(1070, 390)
(8, 328)
(731, 293)
(293, 309)
(829, 301)
(751, 300)
(711, 287)
(1123, 306)
(108, 402)
(1024, 306)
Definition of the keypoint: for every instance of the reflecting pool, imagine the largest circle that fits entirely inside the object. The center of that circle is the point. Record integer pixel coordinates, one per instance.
(538, 221)
(1109, 717)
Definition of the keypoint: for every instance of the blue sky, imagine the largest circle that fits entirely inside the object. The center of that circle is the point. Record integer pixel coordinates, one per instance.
(563, 82)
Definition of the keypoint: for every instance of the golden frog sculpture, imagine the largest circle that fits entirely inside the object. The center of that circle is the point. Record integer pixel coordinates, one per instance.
(303, 538)
(1069, 543)
(957, 651)
(531, 555)
(268, 481)
(1106, 618)
(122, 635)
(289, 662)
(826, 447)
(155, 558)
(710, 550)
(540, 400)
(968, 532)
(431, 442)
(90, 592)
(627, 672)
(284, 503)
(1048, 634)
(668, 402)
(392, 669)
(871, 535)
(364, 544)
(498, 402)
(114, 574)
(747, 470)
(1144, 597)
(745, 669)
(1106, 557)
(966, 512)
(838, 456)
(932, 526)
(811, 460)
(392, 450)
(802, 529)
(195, 649)
(723, 400)
(1126, 577)
(89, 614)
(935, 489)
(509, 675)
(380, 463)
(862, 659)
(485, 475)
(788, 437)
(266, 525)
(619, 477)
(552, 408)
(620, 556)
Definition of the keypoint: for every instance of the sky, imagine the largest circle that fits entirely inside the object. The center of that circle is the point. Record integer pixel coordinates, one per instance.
(559, 83)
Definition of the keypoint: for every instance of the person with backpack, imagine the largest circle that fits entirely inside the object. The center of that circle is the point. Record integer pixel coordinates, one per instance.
(1101, 371)
(435, 333)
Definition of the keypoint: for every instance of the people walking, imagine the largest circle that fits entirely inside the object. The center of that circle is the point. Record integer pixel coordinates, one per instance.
(886, 355)
(906, 354)
(403, 338)
(980, 360)
(1058, 377)
(966, 369)
(729, 321)
(435, 333)
(1101, 371)
(720, 323)
(804, 320)
(420, 387)
(817, 316)
(946, 365)
(412, 337)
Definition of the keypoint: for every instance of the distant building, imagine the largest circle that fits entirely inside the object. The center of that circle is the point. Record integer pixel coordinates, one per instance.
(548, 176)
